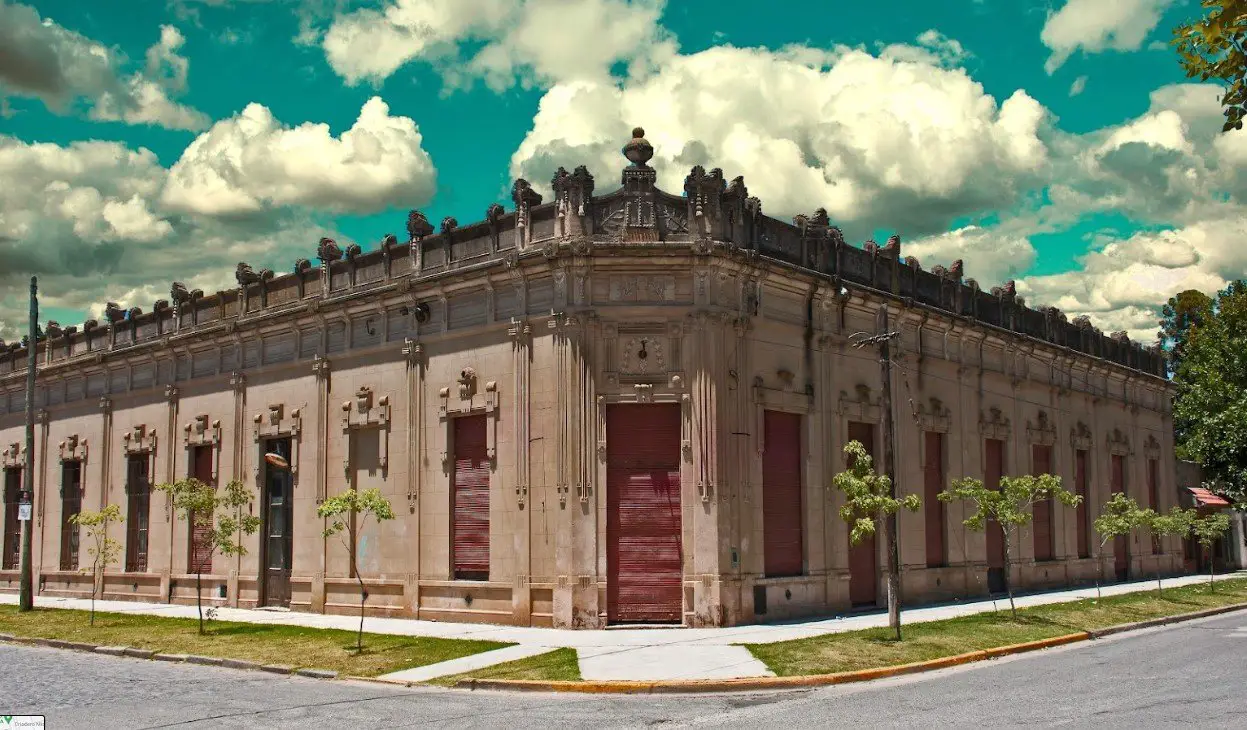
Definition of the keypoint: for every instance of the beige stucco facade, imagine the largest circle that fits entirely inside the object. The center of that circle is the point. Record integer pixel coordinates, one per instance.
(534, 318)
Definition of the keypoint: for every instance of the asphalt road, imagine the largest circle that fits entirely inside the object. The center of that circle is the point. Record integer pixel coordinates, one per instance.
(1190, 674)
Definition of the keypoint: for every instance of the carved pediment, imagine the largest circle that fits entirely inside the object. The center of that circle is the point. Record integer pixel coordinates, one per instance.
(202, 432)
(365, 410)
(1151, 447)
(73, 448)
(1041, 431)
(1118, 442)
(993, 424)
(1080, 436)
(13, 456)
(139, 439)
(859, 406)
(935, 416)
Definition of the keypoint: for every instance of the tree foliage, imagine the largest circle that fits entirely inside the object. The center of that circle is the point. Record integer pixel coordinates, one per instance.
(1010, 506)
(1207, 530)
(1183, 313)
(346, 514)
(1213, 48)
(102, 548)
(1210, 407)
(1175, 523)
(226, 515)
(867, 496)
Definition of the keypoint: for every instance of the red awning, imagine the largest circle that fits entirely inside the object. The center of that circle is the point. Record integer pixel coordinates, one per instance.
(1205, 498)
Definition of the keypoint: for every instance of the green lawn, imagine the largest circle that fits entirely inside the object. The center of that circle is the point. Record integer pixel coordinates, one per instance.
(874, 648)
(560, 665)
(291, 645)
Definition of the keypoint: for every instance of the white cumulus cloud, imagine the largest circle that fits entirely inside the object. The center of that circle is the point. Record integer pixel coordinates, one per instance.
(252, 162)
(1093, 26)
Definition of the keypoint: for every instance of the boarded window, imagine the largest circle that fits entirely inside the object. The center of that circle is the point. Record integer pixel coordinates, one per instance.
(933, 484)
(138, 497)
(470, 537)
(12, 526)
(1041, 458)
(781, 494)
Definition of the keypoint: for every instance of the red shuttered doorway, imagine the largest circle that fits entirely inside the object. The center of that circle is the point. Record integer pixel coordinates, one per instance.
(471, 494)
(864, 556)
(1041, 457)
(993, 472)
(644, 559)
(200, 558)
(1121, 548)
(781, 495)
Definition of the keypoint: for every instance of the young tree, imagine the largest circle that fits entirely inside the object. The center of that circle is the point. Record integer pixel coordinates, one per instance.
(1177, 523)
(1214, 48)
(1120, 516)
(1010, 507)
(1208, 530)
(102, 548)
(869, 501)
(347, 513)
(222, 514)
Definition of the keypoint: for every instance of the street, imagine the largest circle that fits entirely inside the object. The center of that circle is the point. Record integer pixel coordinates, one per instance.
(1186, 674)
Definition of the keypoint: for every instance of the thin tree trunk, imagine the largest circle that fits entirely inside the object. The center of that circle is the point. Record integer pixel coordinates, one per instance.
(1212, 586)
(199, 596)
(96, 580)
(1009, 576)
(363, 596)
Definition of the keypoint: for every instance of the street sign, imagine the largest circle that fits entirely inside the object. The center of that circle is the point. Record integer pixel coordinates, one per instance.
(23, 513)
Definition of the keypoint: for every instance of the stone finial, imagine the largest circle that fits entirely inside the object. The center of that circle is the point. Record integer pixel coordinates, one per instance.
(912, 262)
(449, 225)
(113, 312)
(302, 265)
(245, 275)
(638, 150)
(523, 195)
(1120, 337)
(327, 250)
(494, 213)
(179, 293)
(352, 250)
(54, 328)
(418, 226)
(957, 270)
(892, 249)
(1082, 321)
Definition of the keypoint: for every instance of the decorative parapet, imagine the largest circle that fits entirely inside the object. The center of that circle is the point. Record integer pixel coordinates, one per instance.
(859, 406)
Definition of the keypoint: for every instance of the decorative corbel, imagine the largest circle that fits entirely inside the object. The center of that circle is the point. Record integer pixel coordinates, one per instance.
(73, 449)
(994, 425)
(1118, 443)
(935, 417)
(203, 432)
(1080, 437)
(860, 406)
(13, 456)
(1151, 447)
(467, 402)
(1042, 432)
(274, 423)
(141, 441)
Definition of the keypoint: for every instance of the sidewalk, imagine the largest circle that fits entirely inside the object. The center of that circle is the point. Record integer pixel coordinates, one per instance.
(618, 654)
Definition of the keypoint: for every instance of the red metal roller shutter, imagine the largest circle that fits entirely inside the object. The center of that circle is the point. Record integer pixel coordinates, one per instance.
(1042, 458)
(933, 484)
(863, 557)
(12, 526)
(781, 495)
(1121, 554)
(201, 547)
(471, 495)
(644, 557)
(1080, 484)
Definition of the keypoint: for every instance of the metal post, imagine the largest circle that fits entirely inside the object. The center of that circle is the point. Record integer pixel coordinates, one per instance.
(889, 466)
(26, 597)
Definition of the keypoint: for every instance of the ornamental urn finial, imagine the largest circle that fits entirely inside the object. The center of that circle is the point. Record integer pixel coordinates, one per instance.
(638, 150)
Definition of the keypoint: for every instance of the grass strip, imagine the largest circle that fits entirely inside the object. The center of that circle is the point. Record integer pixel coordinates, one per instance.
(874, 648)
(559, 665)
(297, 646)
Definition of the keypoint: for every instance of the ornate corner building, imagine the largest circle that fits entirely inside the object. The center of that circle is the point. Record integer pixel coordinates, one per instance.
(592, 410)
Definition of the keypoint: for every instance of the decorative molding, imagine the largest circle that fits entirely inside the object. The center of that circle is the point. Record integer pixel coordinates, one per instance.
(467, 402)
(935, 416)
(366, 411)
(1080, 436)
(859, 406)
(995, 425)
(1118, 443)
(1042, 432)
(203, 432)
(274, 423)
(643, 355)
(13, 457)
(139, 440)
(1151, 447)
(73, 448)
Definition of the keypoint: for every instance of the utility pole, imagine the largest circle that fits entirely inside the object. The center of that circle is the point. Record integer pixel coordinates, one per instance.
(26, 596)
(889, 465)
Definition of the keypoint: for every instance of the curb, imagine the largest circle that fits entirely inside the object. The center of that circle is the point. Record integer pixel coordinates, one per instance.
(131, 652)
(818, 680)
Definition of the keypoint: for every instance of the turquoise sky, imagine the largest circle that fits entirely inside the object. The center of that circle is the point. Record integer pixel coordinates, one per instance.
(243, 52)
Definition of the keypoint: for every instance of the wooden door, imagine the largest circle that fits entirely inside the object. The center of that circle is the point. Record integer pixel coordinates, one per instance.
(644, 558)
(1041, 458)
(278, 527)
(933, 508)
(12, 526)
(994, 453)
(782, 514)
(199, 551)
(1080, 488)
(1121, 544)
(864, 556)
(138, 500)
(470, 529)
(71, 504)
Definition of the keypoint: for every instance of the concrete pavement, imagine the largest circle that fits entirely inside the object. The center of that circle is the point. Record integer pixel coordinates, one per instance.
(631, 654)
(1186, 674)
